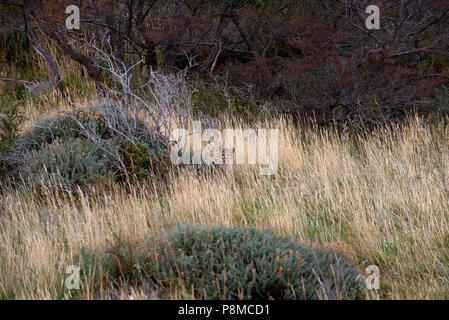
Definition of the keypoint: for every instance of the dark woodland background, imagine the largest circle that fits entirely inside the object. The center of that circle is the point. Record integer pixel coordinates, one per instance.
(310, 58)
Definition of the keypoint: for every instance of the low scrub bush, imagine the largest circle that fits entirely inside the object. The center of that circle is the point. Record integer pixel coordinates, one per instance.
(11, 116)
(72, 164)
(234, 263)
(65, 128)
(88, 147)
(144, 159)
(102, 122)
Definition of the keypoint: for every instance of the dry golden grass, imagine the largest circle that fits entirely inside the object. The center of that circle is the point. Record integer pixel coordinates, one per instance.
(384, 199)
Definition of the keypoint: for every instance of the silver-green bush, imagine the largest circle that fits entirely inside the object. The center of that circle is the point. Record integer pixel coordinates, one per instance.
(233, 263)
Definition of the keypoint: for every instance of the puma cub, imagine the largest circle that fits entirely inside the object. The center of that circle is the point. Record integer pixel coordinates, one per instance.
(226, 167)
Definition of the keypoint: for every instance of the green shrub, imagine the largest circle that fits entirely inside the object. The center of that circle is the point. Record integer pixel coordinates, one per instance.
(144, 159)
(65, 128)
(64, 148)
(234, 263)
(72, 164)
(95, 120)
(11, 117)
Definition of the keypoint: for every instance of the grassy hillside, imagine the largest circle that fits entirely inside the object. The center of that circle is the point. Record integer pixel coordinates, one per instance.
(349, 192)
(382, 199)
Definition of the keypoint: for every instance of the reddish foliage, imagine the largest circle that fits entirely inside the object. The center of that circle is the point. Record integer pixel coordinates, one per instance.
(316, 54)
